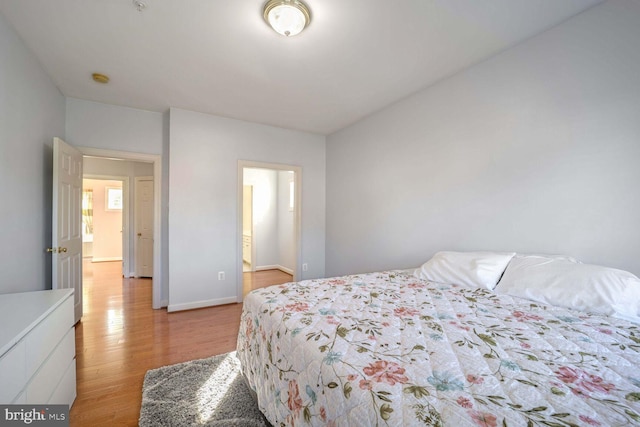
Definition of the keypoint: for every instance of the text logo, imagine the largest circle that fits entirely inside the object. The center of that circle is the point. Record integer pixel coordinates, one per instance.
(34, 415)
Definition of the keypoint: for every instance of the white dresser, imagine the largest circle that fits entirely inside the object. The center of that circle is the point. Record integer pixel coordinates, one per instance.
(37, 348)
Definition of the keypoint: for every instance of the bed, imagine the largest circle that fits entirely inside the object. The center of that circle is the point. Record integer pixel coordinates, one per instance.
(393, 349)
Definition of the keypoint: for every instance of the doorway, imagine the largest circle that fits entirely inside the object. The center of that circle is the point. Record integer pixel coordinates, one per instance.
(268, 224)
(154, 162)
(103, 211)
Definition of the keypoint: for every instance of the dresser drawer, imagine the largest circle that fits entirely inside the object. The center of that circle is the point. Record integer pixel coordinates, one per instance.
(46, 380)
(65, 393)
(37, 340)
(46, 335)
(13, 373)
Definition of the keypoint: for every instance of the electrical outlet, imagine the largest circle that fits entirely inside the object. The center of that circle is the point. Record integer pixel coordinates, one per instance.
(220, 275)
(305, 267)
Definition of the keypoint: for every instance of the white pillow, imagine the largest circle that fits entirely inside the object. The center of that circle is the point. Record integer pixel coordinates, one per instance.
(476, 269)
(564, 283)
(549, 256)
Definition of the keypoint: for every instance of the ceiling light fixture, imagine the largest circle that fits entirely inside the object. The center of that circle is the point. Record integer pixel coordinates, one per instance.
(287, 17)
(100, 78)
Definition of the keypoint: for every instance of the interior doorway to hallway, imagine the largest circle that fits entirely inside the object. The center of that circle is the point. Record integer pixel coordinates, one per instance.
(268, 221)
(129, 164)
(102, 219)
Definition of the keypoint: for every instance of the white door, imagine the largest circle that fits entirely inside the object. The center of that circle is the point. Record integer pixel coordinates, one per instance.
(66, 242)
(144, 226)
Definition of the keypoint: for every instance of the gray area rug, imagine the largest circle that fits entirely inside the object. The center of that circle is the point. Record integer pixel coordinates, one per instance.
(206, 392)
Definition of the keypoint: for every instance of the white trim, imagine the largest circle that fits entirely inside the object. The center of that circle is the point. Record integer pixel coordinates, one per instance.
(296, 273)
(286, 270)
(156, 159)
(200, 304)
(125, 213)
(106, 259)
(254, 251)
(266, 267)
(275, 267)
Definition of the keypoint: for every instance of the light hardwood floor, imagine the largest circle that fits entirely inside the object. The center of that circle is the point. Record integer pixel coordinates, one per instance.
(260, 279)
(120, 337)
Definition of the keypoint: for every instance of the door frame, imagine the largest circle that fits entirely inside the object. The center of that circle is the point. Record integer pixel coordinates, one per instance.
(125, 215)
(253, 246)
(242, 164)
(156, 159)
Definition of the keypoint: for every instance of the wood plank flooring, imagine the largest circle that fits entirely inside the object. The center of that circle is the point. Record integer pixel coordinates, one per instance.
(260, 279)
(120, 337)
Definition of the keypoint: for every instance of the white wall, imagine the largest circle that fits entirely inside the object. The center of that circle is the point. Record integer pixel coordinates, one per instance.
(110, 127)
(535, 149)
(286, 223)
(32, 112)
(203, 214)
(96, 125)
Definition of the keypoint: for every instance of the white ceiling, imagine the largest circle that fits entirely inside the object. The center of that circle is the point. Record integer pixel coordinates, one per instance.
(220, 57)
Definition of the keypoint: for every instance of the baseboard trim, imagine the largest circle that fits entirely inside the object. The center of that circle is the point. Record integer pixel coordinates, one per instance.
(106, 259)
(200, 304)
(285, 269)
(275, 267)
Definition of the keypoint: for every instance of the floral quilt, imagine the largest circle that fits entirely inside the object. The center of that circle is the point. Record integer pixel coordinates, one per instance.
(387, 349)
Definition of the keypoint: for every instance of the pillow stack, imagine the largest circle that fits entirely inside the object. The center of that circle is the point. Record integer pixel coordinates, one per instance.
(473, 269)
(549, 279)
(565, 283)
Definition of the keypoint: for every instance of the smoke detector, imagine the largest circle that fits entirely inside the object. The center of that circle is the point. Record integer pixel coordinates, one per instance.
(139, 5)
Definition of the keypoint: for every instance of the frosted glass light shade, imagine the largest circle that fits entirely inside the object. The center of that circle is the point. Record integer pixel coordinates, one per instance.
(287, 17)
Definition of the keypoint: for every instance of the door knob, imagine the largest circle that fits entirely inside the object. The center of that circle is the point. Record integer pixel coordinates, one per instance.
(61, 249)
(52, 250)
(139, 234)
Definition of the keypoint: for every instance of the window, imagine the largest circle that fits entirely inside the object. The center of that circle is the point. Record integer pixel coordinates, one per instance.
(87, 214)
(114, 199)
